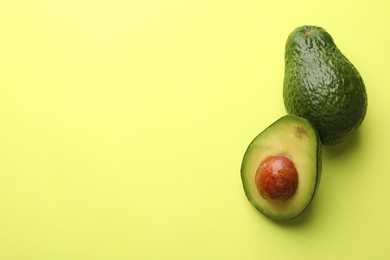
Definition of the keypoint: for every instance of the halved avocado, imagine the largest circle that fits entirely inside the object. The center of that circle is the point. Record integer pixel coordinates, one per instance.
(281, 168)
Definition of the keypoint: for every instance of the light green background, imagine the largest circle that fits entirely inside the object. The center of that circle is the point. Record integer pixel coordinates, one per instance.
(123, 125)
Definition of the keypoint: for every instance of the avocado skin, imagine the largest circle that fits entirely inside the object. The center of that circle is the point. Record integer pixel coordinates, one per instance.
(322, 85)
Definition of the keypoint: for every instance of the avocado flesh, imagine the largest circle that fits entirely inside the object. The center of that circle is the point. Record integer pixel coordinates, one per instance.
(322, 85)
(295, 138)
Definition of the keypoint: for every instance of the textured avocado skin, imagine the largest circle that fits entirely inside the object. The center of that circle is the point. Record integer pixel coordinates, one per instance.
(322, 85)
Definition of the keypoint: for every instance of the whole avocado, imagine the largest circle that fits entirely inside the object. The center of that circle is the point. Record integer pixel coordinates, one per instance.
(322, 85)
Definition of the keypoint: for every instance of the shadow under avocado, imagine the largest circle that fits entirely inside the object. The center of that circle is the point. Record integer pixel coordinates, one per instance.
(301, 220)
(337, 150)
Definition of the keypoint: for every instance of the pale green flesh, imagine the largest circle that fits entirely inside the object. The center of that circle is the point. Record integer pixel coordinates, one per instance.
(294, 138)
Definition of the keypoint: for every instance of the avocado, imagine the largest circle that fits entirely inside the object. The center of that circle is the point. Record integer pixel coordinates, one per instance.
(281, 168)
(322, 85)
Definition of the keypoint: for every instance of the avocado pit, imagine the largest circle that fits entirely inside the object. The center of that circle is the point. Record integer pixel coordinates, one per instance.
(276, 178)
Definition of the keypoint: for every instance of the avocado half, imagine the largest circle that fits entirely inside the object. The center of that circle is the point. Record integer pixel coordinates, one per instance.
(294, 138)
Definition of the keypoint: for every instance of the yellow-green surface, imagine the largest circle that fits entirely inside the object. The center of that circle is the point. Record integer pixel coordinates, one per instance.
(123, 125)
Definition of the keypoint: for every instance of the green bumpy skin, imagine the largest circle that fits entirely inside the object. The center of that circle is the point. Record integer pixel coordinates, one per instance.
(322, 85)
